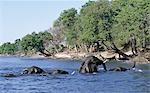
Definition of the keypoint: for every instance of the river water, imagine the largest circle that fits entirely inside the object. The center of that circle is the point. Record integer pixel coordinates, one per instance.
(133, 81)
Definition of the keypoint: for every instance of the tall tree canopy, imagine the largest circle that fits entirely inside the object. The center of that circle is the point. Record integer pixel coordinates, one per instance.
(104, 20)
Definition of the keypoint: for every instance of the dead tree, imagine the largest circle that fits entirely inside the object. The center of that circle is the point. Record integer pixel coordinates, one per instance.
(113, 47)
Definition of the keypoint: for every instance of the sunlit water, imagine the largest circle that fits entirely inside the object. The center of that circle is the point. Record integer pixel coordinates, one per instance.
(133, 81)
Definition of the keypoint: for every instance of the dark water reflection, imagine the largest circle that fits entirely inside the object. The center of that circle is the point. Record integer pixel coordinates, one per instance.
(133, 81)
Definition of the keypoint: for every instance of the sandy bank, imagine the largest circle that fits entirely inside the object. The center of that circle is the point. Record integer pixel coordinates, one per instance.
(105, 54)
(82, 55)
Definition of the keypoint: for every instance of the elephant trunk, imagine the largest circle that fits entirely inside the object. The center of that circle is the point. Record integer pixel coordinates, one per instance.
(104, 66)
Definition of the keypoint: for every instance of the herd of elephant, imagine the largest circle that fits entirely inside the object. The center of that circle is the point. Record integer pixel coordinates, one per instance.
(89, 65)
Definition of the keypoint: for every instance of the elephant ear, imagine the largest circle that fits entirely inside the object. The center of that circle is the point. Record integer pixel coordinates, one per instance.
(94, 59)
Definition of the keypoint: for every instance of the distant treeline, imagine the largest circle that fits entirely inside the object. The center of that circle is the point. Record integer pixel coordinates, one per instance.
(95, 22)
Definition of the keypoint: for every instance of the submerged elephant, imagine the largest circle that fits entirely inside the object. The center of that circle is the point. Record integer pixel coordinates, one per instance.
(37, 70)
(33, 70)
(57, 72)
(122, 68)
(91, 64)
(119, 69)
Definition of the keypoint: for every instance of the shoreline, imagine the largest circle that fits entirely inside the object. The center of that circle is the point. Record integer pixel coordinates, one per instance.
(81, 55)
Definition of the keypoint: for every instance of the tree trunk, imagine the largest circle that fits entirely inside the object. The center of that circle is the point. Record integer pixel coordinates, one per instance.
(113, 46)
(91, 49)
(46, 54)
(144, 39)
(119, 51)
(86, 48)
(75, 47)
(105, 45)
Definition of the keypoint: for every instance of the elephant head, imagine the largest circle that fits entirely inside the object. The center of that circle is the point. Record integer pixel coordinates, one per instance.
(91, 64)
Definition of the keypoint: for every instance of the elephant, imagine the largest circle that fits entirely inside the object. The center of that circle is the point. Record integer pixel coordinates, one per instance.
(121, 69)
(37, 70)
(91, 64)
(57, 72)
(33, 70)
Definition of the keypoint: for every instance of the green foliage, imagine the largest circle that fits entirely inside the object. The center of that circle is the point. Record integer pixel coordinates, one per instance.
(132, 16)
(7, 48)
(95, 21)
(67, 19)
(35, 41)
(30, 43)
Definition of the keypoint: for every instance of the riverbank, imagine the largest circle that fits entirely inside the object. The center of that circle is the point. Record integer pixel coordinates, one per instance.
(111, 55)
(81, 55)
(66, 55)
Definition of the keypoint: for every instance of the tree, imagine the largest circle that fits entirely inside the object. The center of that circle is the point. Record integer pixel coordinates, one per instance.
(8, 48)
(95, 21)
(67, 20)
(130, 17)
(36, 42)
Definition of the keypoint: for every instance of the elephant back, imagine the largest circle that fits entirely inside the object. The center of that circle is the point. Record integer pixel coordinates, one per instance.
(33, 70)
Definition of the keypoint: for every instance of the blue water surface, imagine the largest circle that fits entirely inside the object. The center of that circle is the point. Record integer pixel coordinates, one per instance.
(133, 81)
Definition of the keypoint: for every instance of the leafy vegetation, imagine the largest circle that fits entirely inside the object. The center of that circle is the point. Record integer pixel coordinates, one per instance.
(31, 43)
(95, 22)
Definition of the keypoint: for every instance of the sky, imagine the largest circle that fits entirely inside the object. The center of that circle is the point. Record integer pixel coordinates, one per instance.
(21, 17)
